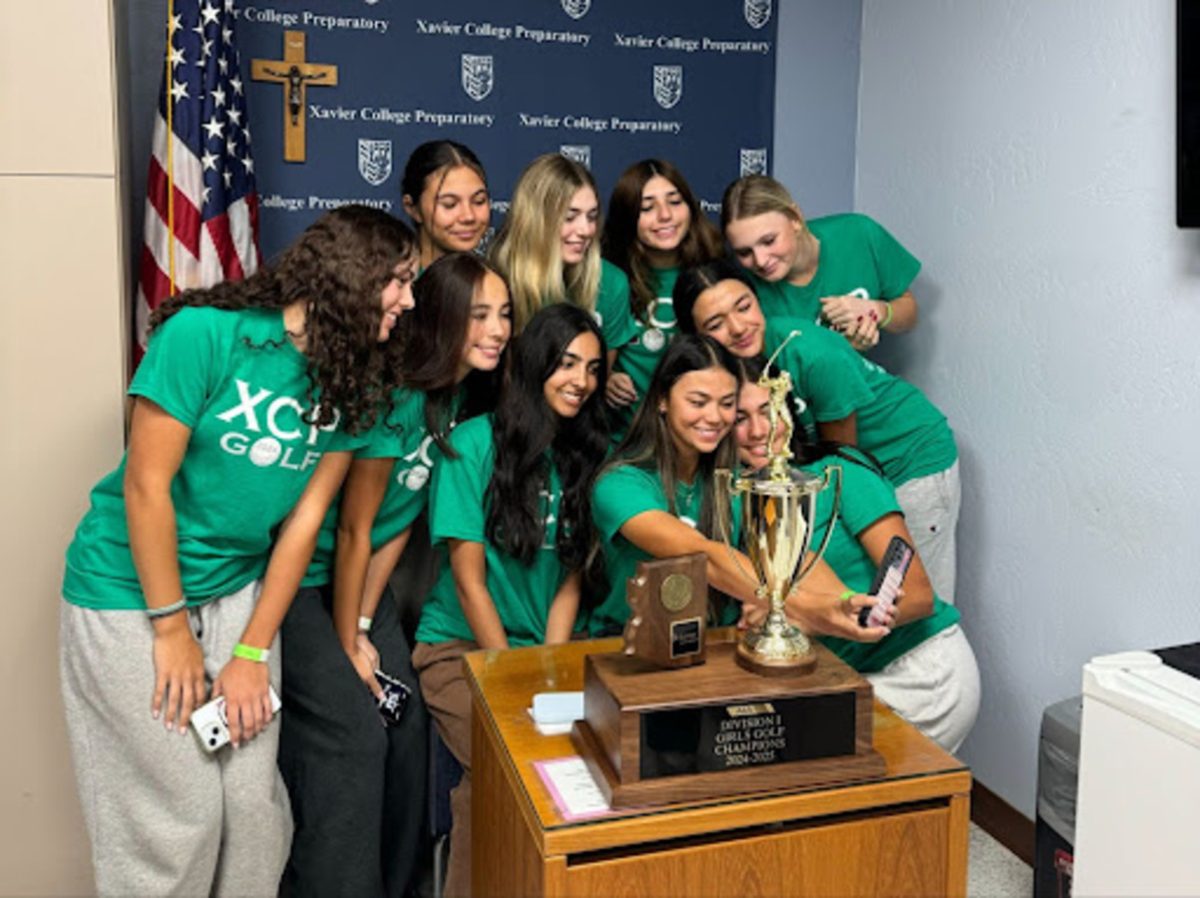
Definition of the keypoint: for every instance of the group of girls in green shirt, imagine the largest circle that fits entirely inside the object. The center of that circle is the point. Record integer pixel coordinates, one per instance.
(555, 414)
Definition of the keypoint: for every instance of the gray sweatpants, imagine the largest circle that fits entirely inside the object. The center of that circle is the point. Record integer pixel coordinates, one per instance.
(930, 506)
(935, 687)
(164, 816)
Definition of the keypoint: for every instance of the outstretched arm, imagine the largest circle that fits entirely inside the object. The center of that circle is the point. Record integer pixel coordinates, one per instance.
(661, 534)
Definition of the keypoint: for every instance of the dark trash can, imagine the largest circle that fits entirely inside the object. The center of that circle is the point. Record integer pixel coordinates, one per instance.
(1057, 785)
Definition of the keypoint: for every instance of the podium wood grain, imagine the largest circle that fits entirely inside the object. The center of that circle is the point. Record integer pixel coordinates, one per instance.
(904, 834)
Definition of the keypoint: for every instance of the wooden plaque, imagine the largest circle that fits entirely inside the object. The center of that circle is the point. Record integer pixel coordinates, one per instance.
(661, 736)
(668, 600)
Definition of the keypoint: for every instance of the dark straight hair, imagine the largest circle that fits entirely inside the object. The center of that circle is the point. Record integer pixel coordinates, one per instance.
(649, 445)
(525, 429)
(694, 281)
(434, 333)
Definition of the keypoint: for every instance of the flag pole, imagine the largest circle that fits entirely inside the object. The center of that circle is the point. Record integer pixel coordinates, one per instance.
(170, 151)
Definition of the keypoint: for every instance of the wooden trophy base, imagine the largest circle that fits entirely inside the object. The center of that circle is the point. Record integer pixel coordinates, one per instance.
(654, 737)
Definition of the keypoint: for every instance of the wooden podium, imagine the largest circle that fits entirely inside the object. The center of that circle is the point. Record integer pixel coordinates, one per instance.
(902, 834)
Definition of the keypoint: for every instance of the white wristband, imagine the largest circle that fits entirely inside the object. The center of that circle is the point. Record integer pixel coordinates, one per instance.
(364, 624)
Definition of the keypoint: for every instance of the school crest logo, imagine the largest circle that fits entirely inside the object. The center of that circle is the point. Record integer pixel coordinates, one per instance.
(576, 9)
(757, 12)
(668, 85)
(577, 152)
(374, 160)
(477, 76)
(753, 161)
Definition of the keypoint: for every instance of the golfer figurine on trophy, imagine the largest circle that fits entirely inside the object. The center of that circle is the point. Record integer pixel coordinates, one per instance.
(778, 509)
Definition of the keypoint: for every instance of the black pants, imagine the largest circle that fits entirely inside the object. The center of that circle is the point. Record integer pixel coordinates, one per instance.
(357, 788)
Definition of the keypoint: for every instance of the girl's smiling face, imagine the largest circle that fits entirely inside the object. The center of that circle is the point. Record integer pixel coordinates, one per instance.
(396, 298)
(700, 409)
(664, 220)
(574, 381)
(490, 325)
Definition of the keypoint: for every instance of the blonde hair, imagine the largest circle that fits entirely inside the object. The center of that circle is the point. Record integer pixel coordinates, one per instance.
(757, 195)
(528, 250)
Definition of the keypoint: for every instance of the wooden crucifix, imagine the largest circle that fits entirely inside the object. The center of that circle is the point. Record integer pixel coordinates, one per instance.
(296, 75)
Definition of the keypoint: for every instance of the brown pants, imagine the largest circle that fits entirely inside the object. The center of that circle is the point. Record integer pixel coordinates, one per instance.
(448, 699)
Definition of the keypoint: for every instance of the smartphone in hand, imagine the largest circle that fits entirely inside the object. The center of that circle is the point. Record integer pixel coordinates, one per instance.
(892, 568)
(394, 699)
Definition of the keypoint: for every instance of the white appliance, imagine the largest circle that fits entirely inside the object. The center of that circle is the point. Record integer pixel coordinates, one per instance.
(1138, 823)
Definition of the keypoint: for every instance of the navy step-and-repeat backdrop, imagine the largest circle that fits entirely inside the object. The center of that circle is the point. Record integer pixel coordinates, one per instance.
(607, 82)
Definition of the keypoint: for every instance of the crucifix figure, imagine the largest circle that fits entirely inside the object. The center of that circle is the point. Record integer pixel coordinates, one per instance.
(296, 75)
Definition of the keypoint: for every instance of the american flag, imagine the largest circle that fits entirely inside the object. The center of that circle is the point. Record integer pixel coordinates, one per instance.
(204, 195)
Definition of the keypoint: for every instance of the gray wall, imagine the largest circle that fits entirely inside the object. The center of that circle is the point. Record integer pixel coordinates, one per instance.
(816, 102)
(1025, 151)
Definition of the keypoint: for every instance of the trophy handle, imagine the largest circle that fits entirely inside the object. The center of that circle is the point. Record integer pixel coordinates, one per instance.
(724, 488)
(833, 516)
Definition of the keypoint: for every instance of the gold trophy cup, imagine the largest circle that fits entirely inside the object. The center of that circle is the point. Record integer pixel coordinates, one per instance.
(777, 515)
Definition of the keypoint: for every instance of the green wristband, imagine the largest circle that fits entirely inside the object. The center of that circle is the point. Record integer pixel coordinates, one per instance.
(887, 318)
(847, 595)
(250, 653)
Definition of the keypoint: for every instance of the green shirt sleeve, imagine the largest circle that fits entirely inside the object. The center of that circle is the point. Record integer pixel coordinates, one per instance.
(866, 497)
(831, 375)
(182, 365)
(456, 500)
(613, 312)
(897, 267)
(825, 369)
(621, 493)
(387, 436)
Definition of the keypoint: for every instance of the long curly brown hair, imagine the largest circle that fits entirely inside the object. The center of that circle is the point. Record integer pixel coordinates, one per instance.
(338, 267)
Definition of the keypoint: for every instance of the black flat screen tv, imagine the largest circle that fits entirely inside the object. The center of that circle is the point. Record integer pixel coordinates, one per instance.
(1187, 113)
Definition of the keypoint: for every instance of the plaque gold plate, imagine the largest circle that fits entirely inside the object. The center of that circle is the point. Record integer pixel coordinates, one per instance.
(652, 736)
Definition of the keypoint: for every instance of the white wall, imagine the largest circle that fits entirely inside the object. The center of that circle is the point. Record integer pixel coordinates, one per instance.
(62, 339)
(816, 102)
(1024, 150)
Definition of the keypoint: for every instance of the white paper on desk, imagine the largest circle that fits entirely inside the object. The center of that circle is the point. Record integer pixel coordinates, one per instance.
(550, 729)
(572, 787)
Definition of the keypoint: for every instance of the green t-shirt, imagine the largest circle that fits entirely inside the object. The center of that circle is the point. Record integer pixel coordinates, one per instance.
(623, 492)
(896, 423)
(457, 510)
(236, 380)
(639, 355)
(867, 497)
(404, 437)
(857, 257)
(613, 312)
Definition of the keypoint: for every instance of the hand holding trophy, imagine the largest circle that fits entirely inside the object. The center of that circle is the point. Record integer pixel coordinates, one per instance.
(778, 511)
